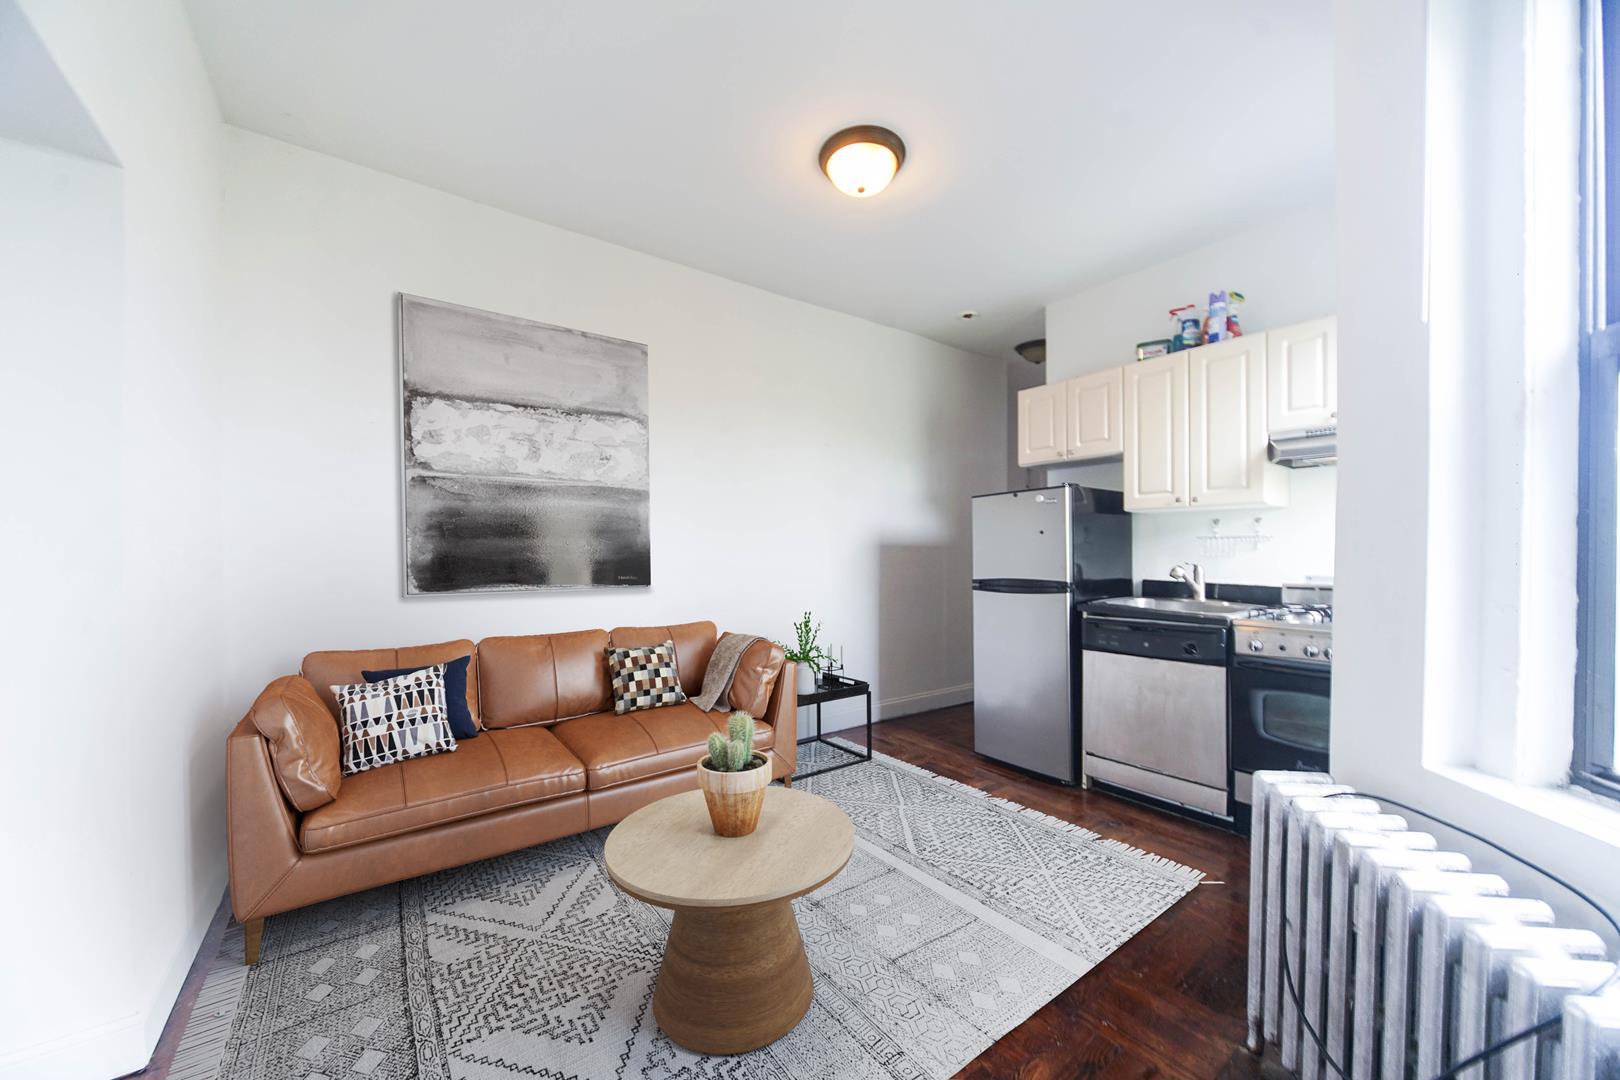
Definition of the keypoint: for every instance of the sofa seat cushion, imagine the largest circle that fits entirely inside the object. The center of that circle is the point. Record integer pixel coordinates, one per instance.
(497, 770)
(619, 749)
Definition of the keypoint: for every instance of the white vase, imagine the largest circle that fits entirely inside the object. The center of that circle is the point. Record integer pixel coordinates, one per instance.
(807, 679)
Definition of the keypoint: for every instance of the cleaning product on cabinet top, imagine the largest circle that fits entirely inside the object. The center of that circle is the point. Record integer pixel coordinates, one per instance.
(1147, 350)
(1215, 319)
(1234, 301)
(1189, 332)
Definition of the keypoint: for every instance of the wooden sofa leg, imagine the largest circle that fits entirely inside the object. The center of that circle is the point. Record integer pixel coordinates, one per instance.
(787, 781)
(252, 934)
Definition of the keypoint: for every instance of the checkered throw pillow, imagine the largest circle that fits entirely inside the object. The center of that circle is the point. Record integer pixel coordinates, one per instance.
(395, 719)
(644, 678)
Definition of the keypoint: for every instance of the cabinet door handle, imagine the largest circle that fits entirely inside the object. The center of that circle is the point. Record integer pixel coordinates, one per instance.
(1195, 498)
(1178, 498)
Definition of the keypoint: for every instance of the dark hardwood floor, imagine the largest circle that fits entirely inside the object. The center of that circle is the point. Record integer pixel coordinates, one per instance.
(1167, 1003)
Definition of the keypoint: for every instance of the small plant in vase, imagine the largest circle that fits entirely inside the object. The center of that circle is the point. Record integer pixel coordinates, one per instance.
(807, 653)
(734, 777)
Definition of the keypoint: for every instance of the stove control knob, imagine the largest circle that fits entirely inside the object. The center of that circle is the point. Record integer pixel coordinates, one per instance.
(1256, 645)
(1327, 654)
(1312, 651)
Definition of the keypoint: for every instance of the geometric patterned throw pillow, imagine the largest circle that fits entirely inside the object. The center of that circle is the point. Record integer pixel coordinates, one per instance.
(399, 718)
(644, 678)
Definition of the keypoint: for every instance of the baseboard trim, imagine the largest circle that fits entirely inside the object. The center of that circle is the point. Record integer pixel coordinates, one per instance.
(112, 1049)
(928, 699)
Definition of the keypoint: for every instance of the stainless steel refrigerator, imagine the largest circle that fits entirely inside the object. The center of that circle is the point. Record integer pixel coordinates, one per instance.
(1037, 555)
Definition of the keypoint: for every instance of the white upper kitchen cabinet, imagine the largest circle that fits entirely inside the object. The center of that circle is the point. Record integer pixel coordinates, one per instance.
(1195, 430)
(1155, 435)
(1226, 427)
(1302, 376)
(1095, 415)
(1042, 425)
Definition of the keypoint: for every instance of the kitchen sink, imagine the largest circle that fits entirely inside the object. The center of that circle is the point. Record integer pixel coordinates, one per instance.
(1170, 605)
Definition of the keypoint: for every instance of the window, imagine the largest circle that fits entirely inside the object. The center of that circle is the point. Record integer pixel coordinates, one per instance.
(1593, 763)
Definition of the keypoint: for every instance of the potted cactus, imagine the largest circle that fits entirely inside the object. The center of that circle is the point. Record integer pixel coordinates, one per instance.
(733, 778)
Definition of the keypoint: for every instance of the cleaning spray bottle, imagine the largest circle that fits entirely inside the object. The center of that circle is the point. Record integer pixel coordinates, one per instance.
(1188, 332)
(1234, 301)
(1215, 320)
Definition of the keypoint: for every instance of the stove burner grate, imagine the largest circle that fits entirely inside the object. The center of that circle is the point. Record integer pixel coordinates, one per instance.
(1297, 613)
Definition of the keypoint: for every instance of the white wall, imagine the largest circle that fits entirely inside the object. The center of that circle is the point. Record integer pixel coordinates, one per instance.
(1399, 710)
(801, 459)
(113, 444)
(61, 315)
(1300, 548)
(1285, 269)
(203, 509)
(1021, 374)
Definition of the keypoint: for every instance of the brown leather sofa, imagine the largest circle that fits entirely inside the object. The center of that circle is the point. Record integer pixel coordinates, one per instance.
(551, 759)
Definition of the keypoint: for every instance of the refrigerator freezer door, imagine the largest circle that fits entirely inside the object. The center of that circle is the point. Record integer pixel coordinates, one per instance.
(1022, 534)
(1021, 683)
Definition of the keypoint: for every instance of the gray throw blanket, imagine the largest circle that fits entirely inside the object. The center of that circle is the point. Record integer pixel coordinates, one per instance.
(722, 669)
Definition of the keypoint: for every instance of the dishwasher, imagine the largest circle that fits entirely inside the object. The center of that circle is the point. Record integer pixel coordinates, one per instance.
(1154, 709)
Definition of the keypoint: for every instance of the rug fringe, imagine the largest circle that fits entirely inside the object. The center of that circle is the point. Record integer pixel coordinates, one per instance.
(1167, 866)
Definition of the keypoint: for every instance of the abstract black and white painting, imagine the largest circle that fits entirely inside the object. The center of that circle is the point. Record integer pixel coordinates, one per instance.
(525, 453)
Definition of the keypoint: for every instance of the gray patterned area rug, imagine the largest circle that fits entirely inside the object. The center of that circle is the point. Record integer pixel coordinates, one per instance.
(958, 916)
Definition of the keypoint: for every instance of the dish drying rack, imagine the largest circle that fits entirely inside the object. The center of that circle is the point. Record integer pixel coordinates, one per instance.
(1218, 543)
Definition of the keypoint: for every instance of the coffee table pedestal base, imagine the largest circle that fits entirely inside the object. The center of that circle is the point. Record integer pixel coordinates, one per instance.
(733, 979)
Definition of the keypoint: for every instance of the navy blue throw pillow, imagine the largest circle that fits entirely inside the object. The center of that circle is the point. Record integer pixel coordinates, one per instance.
(455, 691)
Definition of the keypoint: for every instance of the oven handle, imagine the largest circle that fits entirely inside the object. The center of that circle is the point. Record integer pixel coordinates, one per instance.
(1291, 667)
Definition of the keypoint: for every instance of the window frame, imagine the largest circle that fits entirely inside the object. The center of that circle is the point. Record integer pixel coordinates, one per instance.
(1592, 762)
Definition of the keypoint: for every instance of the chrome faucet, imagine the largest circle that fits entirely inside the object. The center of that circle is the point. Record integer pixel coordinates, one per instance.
(1191, 574)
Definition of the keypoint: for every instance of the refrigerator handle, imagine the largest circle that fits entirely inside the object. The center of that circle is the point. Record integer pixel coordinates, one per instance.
(1019, 585)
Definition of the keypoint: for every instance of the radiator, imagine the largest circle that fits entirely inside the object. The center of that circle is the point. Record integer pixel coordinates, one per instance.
(1405, 961)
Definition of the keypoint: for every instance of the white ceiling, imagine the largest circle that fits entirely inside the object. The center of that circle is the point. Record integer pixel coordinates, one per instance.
(1050, 143)
(37, 106)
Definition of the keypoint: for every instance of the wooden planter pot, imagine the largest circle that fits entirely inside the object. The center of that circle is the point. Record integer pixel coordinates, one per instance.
(735, 798)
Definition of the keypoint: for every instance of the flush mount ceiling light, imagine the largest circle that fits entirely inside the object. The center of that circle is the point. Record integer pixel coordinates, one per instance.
(1033, 351)
(860, 161)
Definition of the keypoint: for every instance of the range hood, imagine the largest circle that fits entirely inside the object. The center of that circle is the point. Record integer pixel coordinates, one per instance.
(1305, 449)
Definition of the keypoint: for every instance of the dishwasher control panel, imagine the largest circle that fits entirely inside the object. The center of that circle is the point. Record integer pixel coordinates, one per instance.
(1188, 643)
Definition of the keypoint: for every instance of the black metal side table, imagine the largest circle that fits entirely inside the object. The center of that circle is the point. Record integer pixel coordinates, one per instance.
(837, 688)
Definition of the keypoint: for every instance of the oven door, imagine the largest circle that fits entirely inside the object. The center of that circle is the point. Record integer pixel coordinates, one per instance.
(1279, 716)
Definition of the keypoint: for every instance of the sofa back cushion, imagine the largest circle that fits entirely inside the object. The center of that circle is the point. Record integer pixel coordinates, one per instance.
(694, 644)
(543, 678)
(757, 672)
(343, 667)
(303, 738)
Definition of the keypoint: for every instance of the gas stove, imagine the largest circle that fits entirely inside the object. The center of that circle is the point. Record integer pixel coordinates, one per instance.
(1281, 688)
(1296, 614)
(1296, 631)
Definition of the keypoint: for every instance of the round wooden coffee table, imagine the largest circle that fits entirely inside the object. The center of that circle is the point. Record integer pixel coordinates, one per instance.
(734, 976)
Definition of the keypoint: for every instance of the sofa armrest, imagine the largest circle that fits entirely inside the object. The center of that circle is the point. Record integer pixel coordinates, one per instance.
(261, 828)
(783, 716)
